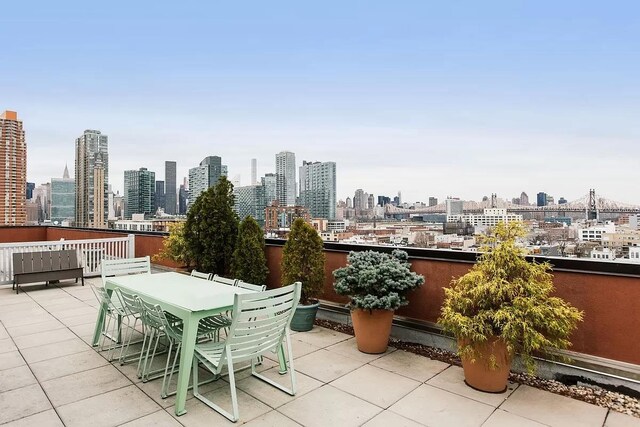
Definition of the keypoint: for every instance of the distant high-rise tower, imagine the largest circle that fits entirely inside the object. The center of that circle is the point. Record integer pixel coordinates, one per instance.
(286, 178)
(318, 189)
(254, 172)
(13, 173)
(139, 192)
(541, 199)
(183, 195)
(30, 187)
(204, 176)
(454, 206)
(383, 200)
(92, 179)
(249, 200)
(170, 188)
(524, 199)
(349, 203)
(371, 202)
(160, 199)
(360, 200)
(63, 198)
(433, 201)
(270, 184)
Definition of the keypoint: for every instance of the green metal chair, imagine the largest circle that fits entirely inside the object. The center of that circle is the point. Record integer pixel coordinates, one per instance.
(260, 324)
(159, 327)
(124, 266)
(131, 308)
(114, 312)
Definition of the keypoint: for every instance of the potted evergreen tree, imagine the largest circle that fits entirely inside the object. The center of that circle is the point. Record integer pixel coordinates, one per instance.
(211, 229)
(249, 261)
(174, 248)
(378, 284)
(503, 306)
(303, 261)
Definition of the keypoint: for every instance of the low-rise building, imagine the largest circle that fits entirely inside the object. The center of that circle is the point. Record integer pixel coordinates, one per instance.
(603, 254)
(281, 217)
(490, 218)
(595, 233)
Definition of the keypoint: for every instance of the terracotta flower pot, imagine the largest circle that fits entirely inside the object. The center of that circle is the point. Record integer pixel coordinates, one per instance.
(372, 329)
(479, 375)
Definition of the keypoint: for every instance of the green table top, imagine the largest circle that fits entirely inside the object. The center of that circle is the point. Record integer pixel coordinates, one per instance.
(179, 290)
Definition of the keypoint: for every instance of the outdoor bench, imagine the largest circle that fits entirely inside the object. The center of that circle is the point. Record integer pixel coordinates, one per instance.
(33, 267)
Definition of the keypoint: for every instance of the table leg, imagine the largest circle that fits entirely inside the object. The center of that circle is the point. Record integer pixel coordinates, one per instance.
(189, 333)
(282, 360)
(100, 323)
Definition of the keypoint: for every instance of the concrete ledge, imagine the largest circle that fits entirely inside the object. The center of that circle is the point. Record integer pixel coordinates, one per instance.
(583, 368)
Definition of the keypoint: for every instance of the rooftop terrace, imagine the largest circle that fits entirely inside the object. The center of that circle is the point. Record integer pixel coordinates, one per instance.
(50, 375)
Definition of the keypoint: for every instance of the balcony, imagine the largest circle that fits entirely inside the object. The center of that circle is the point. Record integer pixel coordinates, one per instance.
(51, 374)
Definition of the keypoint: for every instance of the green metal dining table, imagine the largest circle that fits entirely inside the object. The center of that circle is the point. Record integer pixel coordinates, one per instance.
(189, 298)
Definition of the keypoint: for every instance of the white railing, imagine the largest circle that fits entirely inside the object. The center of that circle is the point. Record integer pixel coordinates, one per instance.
(90, 253)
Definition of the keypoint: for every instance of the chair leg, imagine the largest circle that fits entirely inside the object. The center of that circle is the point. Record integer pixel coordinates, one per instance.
(232, 384)
(292, 372)
(125, 348)
(165, 388)
(145, 376)
(146, 342)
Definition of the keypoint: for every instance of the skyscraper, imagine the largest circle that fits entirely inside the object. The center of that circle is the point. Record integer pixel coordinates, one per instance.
(454, 206)
(139, 192)
(286, 178)
(318, 188)
(92, 179)
(214, 165)
(524, 199)
(30, 187)
(13, 173)
(433, 201)
(160, 198)
(182, 199)
(360, 200)
(204, 176)
(63, 198)
(249, 200)
(254, 172)
(541, 199)
(270, 184)
(170, 188)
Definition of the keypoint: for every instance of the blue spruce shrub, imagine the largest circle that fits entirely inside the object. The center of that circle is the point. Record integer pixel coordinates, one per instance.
(376, 280)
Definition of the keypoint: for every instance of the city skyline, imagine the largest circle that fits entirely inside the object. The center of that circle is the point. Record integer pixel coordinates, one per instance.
(428, 99)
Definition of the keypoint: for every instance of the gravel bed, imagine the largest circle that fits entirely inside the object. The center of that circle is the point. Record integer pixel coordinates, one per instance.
(591, 394)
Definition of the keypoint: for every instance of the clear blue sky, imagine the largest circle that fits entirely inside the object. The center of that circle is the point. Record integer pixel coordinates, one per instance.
(459, 98)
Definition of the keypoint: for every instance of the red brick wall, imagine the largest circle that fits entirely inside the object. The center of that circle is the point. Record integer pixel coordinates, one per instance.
(611, 327)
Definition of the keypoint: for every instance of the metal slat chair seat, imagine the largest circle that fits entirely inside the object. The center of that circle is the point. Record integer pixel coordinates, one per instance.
(259, 325)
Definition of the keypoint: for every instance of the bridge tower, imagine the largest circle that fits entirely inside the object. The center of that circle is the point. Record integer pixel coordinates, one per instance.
(592, 208)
